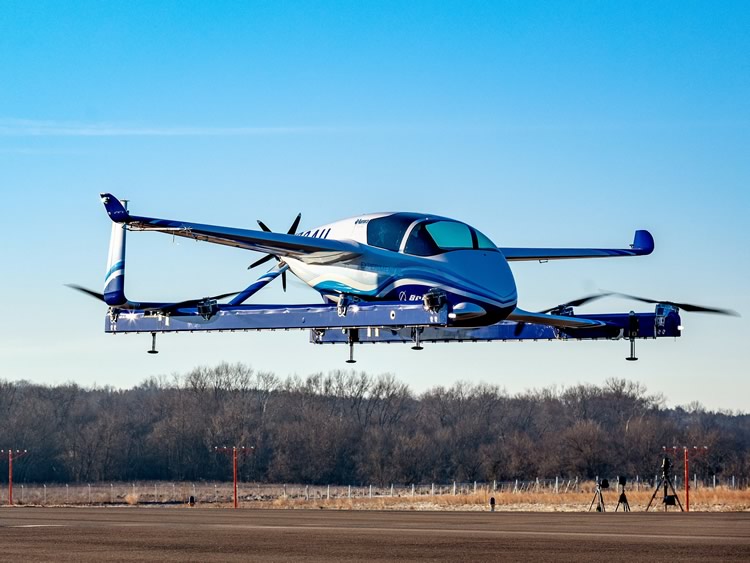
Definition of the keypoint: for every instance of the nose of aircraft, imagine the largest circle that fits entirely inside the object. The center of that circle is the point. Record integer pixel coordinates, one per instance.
(487, 269)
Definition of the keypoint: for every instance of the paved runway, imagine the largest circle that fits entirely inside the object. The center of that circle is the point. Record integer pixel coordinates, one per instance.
(183, 534)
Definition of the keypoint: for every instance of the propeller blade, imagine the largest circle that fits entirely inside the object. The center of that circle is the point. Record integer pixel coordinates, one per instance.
(224, 295)
(263, 260)
(293, 229)
(87, 291)
(689, 307)
(577, 302)
(193, 302)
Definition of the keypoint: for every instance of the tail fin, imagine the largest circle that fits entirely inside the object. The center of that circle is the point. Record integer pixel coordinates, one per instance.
(114, 280)
(115, 208)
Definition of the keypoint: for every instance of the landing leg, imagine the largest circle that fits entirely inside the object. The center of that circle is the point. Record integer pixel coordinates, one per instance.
(353, 335)
(417, 345)
(631, 334)
(153, 344)
(632, 357)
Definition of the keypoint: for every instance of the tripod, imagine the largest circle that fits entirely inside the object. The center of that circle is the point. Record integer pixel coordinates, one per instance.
(598, 498)
(623, 499)
(665, 481)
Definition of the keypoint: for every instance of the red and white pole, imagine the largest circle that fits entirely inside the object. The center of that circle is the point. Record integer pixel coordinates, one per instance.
(687, 481)
(235, 451)
(10, 477)
(234, 463)
(11, 456)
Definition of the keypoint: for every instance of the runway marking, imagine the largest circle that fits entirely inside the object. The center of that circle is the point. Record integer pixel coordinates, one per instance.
(37, 526)
(499, 532)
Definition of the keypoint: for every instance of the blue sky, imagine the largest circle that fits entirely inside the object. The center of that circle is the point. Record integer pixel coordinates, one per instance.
(542, 124)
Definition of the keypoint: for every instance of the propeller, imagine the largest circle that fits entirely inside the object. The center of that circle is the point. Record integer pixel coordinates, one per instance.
(574, 303)
(87, 291)
(689, 307)
(292, 230)
(162, 307)
(194, 302)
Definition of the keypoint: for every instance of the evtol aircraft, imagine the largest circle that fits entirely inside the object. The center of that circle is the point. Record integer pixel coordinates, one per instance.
(382, 277)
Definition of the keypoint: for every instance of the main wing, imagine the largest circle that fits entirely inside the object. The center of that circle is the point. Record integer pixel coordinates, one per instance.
(307, 249)
(643, 244)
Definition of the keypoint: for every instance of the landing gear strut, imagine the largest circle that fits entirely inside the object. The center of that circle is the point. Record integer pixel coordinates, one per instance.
(631, 357)
(353, 336)
(153, 344)
(415, 333)
(632, 333)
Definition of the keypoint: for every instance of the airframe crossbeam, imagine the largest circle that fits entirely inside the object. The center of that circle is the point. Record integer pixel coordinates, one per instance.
(398, 320)
(269, 317)
(619, 326)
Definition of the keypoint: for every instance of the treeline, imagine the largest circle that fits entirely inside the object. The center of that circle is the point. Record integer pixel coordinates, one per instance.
(350, 428)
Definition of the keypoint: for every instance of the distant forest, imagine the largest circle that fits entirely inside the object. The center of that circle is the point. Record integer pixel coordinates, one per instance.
(354, 428)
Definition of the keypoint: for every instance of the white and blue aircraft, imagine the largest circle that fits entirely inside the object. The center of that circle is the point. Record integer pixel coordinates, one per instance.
(384, 261)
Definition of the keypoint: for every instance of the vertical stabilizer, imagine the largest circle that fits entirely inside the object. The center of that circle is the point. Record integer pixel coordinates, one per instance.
(114, 280)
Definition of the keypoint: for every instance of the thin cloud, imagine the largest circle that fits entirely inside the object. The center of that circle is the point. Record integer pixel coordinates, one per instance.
(33, 128)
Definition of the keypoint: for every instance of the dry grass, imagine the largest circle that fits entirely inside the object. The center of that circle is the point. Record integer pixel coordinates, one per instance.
(713, 500)
(218, 495)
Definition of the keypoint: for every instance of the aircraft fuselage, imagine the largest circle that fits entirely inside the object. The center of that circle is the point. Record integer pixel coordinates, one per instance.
(477, 282)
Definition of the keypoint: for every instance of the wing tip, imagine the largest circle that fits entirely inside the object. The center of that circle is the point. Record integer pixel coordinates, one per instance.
(643, 242)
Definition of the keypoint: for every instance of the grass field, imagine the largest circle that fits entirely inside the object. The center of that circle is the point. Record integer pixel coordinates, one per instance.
(219, 495)
(709, 500)
(706, 501)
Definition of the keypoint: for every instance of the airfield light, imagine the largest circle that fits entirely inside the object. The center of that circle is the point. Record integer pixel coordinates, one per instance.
(667, 481)
(234, 450)
(12, 454)
(696, 450)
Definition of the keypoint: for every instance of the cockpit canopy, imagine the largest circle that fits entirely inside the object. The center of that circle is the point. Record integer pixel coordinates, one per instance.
(423, 236)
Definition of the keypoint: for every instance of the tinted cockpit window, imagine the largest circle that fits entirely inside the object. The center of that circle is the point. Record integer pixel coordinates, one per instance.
(420, 243)
(483, 242)
(430, 238)
(387, 232)
(449, 235)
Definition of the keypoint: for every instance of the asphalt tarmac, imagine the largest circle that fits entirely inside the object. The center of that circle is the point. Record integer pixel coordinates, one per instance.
(195, 534)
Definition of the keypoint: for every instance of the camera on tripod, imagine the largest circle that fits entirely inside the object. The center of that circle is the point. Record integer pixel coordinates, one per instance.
(665, 483)
(666, 465)
(598, 499)
(622, 499)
